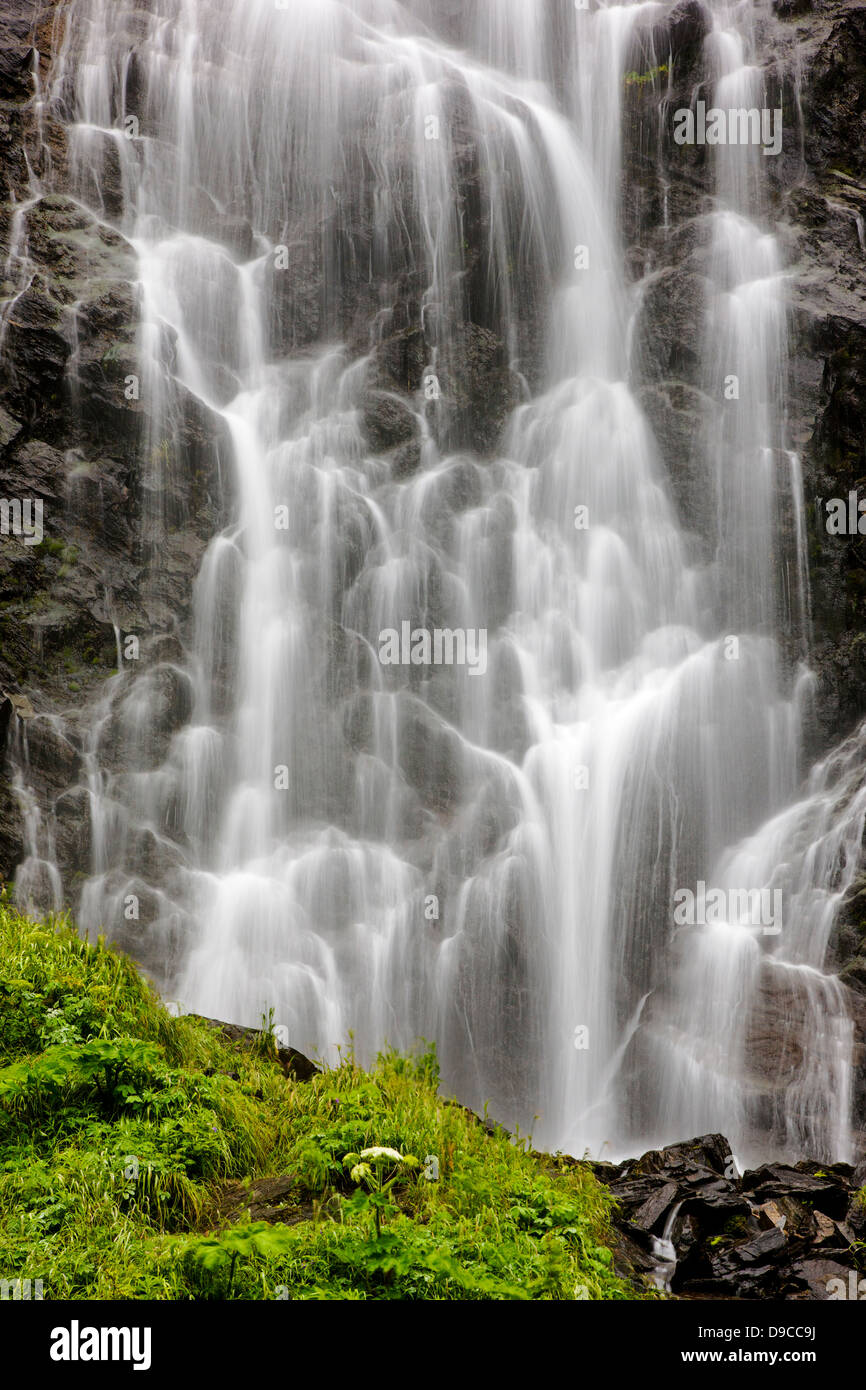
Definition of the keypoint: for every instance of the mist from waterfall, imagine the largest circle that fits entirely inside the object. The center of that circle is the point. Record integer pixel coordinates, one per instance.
(484, 858)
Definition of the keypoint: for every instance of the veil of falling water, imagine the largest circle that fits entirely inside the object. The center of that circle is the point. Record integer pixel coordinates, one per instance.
(487, 859)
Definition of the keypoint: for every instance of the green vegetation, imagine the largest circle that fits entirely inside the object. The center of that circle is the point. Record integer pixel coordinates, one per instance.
(641, 79)
(135, 1148)
(49, 546)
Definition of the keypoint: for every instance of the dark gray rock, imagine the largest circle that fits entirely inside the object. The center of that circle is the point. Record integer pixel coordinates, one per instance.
(294, 1063)
(777, 1232)
(387, 421)
(650, 1212)
(19, 23)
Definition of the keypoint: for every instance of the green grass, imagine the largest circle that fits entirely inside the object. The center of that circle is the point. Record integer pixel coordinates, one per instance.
(129, 1138)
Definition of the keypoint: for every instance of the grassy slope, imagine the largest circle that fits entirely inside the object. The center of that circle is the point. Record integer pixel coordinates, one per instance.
(133, 1145)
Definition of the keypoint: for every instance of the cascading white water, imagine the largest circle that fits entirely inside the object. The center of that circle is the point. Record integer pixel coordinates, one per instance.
(703, 1044)
(484, 858)
(38, 883)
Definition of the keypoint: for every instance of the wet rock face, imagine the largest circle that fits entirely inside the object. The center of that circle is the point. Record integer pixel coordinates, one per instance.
(18, 25)
(817, 201)
(74, 441)
(136, 735)
(817, 198)
(777, 1232)
(827, 251)
(835, 98)
(128, 514)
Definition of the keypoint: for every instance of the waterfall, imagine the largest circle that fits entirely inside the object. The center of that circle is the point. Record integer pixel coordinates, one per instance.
(338, 211)
(38, 884)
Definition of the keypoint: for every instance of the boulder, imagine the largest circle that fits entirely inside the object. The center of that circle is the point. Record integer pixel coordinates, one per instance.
(294, 1063)
(780, 1231)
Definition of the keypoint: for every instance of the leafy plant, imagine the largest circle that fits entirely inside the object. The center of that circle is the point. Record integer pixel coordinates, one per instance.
(215, 1253)
(111, 1065)
(132, 1142)
(641, 79)
(375, 1171)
